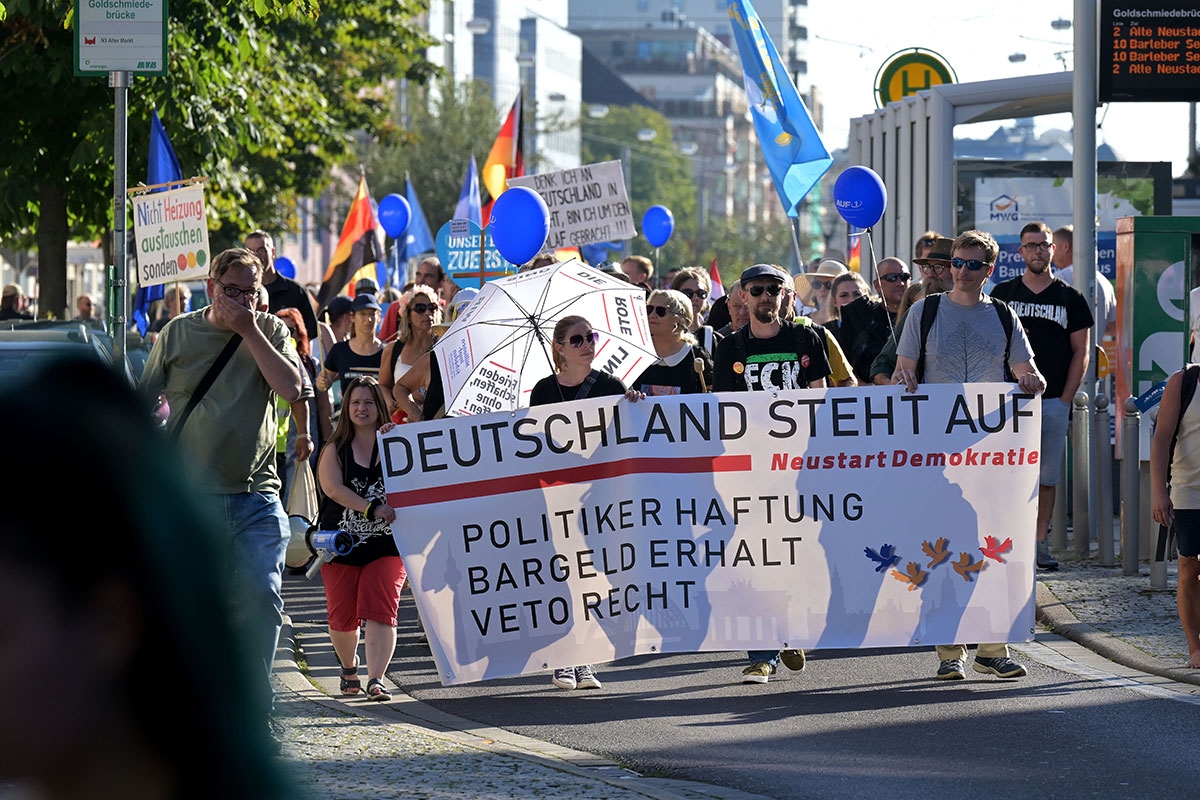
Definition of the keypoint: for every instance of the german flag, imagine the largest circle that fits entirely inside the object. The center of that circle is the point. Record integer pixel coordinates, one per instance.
(357, 247)
(506, 159)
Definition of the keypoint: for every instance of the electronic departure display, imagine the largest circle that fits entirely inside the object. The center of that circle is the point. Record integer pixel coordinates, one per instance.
(1149, 51)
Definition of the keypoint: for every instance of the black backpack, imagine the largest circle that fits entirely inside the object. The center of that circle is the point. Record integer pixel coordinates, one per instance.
(929, 313)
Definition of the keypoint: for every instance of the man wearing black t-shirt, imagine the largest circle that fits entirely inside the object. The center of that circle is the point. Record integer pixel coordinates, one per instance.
(1058, 320)
(769, 353)
(282, 291)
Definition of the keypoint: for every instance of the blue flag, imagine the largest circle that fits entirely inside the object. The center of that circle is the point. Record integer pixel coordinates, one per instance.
(469, 205)
(163, 167)
(418, 239)
(791, 146)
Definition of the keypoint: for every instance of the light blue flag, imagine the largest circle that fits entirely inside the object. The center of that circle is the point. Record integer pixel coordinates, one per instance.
(791, 146)
(163, 167)
(469, 205)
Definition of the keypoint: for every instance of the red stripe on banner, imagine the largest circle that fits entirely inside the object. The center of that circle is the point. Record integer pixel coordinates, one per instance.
(584, 474)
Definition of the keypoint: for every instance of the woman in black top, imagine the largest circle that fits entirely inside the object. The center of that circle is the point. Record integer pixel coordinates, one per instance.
(574, 379)
(675, 372)
(365, 584)
(360, 354)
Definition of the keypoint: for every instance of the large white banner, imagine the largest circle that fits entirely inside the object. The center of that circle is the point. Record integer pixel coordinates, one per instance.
(597, 530)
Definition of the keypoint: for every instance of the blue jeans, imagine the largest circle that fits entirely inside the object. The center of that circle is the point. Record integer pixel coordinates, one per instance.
(769, 656)
(258, 536)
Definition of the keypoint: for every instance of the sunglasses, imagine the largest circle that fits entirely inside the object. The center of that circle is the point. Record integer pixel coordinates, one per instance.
(972, 264)
(695, 293)
(821, 285)
(773, 290)
(580, 339)
(662, 311)
(421, 308)
(893, 277)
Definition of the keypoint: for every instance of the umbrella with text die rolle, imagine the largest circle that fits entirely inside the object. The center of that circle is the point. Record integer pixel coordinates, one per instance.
(500, 345)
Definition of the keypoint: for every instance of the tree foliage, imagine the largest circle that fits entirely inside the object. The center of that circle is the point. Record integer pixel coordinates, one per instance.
(444, 123)
(261, 98)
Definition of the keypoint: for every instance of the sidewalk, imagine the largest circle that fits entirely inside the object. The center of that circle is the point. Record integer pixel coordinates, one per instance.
(351, 747)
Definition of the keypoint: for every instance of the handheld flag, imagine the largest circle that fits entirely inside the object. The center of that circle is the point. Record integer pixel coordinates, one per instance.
(791, 146)
(419, 239)
(357, 247)
(163, 168)
(855, 260)
(468, 199)
(506, 159)
(714, 278)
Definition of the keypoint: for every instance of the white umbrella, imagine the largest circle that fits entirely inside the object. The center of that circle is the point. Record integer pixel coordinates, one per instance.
(500, 345)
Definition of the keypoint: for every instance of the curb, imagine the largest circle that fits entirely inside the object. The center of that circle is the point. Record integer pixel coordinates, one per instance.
(1055, 615)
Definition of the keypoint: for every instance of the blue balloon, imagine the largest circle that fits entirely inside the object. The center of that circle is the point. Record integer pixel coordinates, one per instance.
(519, 224)
(285, 267)
(658, 223)
(860, 196)
(394, 215)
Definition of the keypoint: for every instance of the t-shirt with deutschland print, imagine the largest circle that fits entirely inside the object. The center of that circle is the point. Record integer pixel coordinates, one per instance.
(792, 359)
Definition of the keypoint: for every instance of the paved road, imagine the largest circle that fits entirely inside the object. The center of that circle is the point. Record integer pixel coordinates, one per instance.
(854, 724)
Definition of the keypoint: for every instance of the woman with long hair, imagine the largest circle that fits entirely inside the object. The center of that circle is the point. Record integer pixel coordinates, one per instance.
(574, 348)
(365, 584)
(844, 289)
(404, 372)
(670, 316)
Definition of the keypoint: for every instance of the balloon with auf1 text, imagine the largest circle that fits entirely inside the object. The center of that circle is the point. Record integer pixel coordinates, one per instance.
(519, 224)
(394, 215)
(860, 196)
(658, 223)
(285, 267)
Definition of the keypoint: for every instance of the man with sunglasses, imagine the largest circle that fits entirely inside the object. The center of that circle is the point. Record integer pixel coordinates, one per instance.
(1058, 320)
(935, 279)
(968, 343)
(867, 322)
(230, 436)
(768, 354)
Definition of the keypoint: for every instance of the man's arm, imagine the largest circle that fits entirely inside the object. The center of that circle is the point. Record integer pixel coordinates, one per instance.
(1161, 508)
(1028, 377)
(1079, 362)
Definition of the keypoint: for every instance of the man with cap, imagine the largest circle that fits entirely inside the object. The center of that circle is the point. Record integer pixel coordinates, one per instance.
(867, 323)
(282, 290)
(935, 278)
(366, 286)
(769, 354)
(14, 303)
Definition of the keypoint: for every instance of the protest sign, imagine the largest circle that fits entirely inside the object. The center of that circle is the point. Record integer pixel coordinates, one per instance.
(601, 529)
(587, 204)
(460, 249)
(171, 236)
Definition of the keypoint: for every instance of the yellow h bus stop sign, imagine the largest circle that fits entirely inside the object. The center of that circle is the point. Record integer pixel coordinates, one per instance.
(910, 71)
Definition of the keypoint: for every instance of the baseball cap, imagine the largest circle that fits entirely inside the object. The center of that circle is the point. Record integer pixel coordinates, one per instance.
(762, 271)
(366, 286)
(339, 306)
(462, 298)
(365, 301)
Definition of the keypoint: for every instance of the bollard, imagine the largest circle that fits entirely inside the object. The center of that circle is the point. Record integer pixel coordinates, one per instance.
(1081, 437)
(1058, 518)
(1131, 487)
(1104, 520)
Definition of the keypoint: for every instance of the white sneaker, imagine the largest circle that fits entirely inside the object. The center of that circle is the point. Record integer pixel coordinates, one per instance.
(585, 678)
(564, 678)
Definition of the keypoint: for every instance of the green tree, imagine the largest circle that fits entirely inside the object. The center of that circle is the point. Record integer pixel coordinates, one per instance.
(659, 175)
(444, 124)
(261, 98)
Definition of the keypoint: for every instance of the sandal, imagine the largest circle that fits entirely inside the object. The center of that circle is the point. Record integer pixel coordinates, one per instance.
(376, 690)
(350, 682)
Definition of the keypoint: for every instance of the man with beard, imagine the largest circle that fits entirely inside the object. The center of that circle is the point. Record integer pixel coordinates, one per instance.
(769, 354)
(1057, 319)
(935, 278)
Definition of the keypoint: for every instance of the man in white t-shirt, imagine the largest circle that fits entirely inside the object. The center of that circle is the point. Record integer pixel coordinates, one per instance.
(1064, 267)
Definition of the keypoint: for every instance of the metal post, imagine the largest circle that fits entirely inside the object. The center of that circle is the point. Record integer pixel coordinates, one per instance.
(1058, 520)
(1131, 487)
(119, 82)
(1081, 458)
(1104, 526)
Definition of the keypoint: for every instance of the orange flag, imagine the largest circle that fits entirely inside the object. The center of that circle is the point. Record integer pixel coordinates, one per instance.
(358, 246)
(506, 159)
